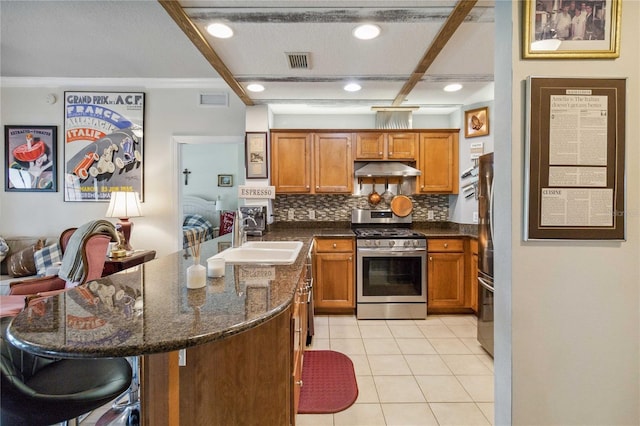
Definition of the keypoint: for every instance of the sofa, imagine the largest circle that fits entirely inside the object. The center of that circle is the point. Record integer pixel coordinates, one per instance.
(19, 256)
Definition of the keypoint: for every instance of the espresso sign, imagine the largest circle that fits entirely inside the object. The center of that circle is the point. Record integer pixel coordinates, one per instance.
(259, 192)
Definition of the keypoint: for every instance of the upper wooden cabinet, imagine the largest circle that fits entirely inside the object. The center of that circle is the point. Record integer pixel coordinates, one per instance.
(386, 146)
(333, 163)
(438, 162)
(291, 162)
(311, 163)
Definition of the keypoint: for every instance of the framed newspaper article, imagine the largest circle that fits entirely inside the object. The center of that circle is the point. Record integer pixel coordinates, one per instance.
(103, 144)
(575, 159)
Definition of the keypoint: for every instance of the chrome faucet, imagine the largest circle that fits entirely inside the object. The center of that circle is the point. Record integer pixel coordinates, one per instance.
(239, 236)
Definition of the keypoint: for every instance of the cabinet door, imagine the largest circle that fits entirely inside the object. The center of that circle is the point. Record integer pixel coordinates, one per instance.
(438, 161)
(333, 163)
(370, 146)
(334, 281)
(445, 272)
(299, 324)
(402, 146)
(291, 162)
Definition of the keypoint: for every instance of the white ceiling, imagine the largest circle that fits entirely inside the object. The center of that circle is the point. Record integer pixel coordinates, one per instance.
(138, 39)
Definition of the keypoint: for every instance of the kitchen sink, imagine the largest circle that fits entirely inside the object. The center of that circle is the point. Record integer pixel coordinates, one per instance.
(263, 252)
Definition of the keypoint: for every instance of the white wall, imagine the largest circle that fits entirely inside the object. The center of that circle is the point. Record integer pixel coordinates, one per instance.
(168, 112)
(575, 305)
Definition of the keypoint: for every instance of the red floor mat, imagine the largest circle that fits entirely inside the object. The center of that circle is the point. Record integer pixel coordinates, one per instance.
(329, 383)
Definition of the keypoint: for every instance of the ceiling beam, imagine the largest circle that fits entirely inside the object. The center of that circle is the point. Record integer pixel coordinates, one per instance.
(176, 12)
(457, 16)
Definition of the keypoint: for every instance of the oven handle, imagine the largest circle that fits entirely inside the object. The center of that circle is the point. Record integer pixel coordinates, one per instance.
(391, 252)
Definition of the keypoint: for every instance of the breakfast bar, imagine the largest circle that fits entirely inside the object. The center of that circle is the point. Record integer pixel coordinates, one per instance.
(221, 354)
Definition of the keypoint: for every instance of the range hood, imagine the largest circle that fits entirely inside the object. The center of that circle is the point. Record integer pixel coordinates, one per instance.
(386, 169)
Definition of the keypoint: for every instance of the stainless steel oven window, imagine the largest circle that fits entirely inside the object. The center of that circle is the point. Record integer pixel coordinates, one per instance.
(388, 276)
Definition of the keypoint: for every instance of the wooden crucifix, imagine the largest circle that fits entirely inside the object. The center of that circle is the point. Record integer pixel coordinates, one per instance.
(186, 174)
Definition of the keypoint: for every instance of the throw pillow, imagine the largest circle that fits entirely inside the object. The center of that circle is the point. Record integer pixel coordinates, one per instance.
(4, 249)
(22, 263)
(46, 257)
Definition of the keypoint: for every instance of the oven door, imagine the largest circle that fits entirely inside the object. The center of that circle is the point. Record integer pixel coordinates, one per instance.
(391, 276)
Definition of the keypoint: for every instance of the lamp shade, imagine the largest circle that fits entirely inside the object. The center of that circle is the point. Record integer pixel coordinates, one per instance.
(124, 205)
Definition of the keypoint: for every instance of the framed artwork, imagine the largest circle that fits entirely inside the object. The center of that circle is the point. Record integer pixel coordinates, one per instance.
(575, 159)
(103, 144)
(476, 122)
(225, 180)
(256, 155)
(31, 158)
(563, 29)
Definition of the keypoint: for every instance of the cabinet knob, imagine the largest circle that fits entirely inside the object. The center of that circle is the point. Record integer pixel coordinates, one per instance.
(307, 187)
(380, 153)
(317, 186)
(299, 382)
(446, 245)
(430, 258)
(422, 187)
(390, 152)
(335, 245)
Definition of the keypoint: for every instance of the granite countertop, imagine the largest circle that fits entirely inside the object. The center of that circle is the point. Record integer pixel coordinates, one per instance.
(148, 308)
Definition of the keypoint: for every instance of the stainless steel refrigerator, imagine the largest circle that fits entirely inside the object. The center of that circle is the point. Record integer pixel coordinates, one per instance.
(485, 252)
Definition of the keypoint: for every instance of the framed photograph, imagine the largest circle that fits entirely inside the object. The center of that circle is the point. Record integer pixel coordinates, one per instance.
(575, 159)
(225, 180)
(563, 29)
(103, 144)
(31, 158)
(476, 122)
(256, 155)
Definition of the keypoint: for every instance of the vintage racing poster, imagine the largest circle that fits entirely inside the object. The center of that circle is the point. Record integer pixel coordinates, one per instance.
(103, 144)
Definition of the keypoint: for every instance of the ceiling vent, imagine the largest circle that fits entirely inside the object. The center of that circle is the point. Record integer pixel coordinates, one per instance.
(299, 60)
(214, 99)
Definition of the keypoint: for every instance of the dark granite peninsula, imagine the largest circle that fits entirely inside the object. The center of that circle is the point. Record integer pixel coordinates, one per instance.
(238, 332)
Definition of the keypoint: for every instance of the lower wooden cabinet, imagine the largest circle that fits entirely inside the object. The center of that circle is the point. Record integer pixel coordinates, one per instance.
(299, 326)
(445, 276)
(334, 290)
(473, 276)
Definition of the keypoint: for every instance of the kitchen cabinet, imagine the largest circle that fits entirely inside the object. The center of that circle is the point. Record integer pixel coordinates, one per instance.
(473, 275)
(333, 163)
(291, 162)
(311, 162)
(438, 162)
(299, 320)
(334, 290)
(386, 146)
(445, 276)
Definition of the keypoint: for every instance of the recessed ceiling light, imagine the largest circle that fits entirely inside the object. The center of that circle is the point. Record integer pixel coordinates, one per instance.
(352, 87)
(220, 30)
(366, 31)
(255, 87)
(452, 87)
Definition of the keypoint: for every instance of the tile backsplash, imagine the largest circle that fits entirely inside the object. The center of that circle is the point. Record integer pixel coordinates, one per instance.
(337, 208)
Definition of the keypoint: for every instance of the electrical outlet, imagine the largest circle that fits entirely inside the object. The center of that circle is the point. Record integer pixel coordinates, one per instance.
(312, 214)
(430, 215)
(182, 357)
(475, 217)
(291, 214)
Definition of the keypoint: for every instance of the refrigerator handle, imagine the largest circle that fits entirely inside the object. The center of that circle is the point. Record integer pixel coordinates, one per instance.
(490, 189)
(485, 284)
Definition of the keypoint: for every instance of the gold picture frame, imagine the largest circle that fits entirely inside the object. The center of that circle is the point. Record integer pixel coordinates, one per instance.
(550, 32)
(476, 122)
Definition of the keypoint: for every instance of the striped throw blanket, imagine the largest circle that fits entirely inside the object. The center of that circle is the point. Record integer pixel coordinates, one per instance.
(72, 269)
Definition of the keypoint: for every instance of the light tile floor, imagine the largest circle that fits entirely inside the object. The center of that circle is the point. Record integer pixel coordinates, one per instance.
(410, 372)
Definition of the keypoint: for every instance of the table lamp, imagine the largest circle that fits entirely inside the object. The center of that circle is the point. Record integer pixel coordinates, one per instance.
(124, 205)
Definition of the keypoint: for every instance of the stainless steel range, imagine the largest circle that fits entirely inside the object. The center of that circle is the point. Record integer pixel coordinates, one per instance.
(391, 274)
